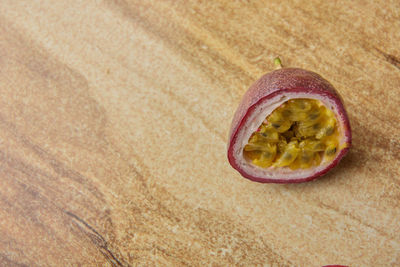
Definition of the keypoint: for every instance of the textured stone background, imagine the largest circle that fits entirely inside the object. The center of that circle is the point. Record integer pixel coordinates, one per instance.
(114, 118)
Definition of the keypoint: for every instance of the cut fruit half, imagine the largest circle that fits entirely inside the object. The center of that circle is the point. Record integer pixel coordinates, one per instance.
(291, 126)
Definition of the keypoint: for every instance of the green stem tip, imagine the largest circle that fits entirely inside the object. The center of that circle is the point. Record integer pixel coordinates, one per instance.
(278, 62)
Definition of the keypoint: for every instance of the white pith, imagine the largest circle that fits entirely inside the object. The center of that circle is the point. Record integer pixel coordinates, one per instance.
(252, 123)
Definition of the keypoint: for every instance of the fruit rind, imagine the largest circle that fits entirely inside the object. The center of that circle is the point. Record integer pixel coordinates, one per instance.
(267, 93)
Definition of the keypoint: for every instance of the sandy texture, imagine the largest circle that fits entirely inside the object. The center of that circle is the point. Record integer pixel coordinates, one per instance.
(114, 119)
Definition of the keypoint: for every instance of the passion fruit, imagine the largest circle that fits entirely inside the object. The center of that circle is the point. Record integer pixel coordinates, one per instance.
(290, 127)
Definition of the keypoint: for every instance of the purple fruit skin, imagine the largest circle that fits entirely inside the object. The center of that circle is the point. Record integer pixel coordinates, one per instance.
(281, 82)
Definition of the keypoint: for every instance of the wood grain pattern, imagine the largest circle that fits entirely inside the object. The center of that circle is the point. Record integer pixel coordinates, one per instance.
(114, 118)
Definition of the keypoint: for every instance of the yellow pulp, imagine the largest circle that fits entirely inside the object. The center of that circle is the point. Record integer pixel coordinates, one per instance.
(298, 134)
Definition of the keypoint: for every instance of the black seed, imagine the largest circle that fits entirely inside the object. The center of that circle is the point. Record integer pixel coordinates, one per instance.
(267, 154)
(331, 151)
(286, 113)
(288, 135)
(313, 116)
(302, 105)
(329, 131)
(305, 158)
(318, 146)
(276, 125)
(287, 156)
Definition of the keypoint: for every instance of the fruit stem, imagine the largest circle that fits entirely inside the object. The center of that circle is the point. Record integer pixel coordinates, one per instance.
(278, 62)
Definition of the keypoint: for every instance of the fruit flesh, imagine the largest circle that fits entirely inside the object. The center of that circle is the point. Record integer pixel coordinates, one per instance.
(299, 134)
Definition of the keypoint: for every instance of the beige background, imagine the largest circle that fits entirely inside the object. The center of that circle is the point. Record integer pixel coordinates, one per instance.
(114, 118)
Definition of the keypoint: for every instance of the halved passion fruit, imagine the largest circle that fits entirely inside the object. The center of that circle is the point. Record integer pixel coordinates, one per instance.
(290, 127)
